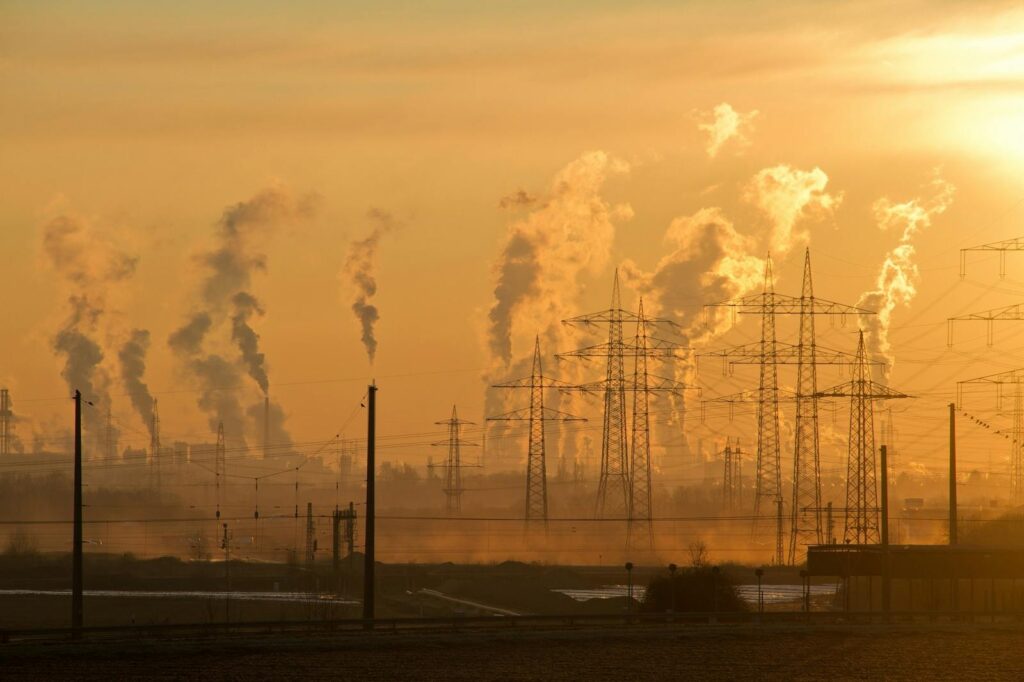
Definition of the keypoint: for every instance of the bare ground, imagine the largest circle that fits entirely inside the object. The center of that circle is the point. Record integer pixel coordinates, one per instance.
(656, 652)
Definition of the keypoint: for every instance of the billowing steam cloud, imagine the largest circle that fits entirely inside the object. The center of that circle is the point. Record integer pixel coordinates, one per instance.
(133, 368)
(722, 124)
(226, 303)
(786, 195)
(568, 234)
(709, 262)
(359, 268)
(896, 283)
(89, 269)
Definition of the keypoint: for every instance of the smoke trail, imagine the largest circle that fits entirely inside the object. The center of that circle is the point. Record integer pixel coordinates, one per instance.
(226, 303)
(359, 267)
(786, 195)
(89, 269)
(133, 368)
(248, 340)
(896, 283)
(538, 273)
(722, 124)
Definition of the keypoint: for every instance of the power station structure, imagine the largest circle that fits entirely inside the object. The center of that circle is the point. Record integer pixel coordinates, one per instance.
(453, 464)
(6, 423)
(1015, 379)
(536, 509)
(805, 522)
(862, 510)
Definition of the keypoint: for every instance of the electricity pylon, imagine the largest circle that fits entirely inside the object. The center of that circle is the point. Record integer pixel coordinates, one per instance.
(1014, 313)
(805, 527)
(6, 422)
(637, 476)
(219, 467)
(1002, 247)
(536, 414)
(154, 444)
(613, 489)
(453, 466)
(861, 476)
(732, 481)
(1014, 378)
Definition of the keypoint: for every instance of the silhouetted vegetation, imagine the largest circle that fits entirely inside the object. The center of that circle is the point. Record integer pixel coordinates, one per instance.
(698, 588)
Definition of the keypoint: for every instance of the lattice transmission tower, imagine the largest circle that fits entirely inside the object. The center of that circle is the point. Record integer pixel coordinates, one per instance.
(453, 464)
(1015, 379)
(636, 476)
(805, 522)
(154, 445)
(536, 509)
(862, 527)
(1011, 313)
(6, 423)
(732, 476)
(220, 467)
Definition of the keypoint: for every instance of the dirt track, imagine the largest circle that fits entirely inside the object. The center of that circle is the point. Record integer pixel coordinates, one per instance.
(661, 652)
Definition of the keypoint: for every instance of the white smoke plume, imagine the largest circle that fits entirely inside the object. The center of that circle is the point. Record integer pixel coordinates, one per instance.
(709, 261)
(787, 195)
(132, 356)
(360, 267)
(896, 283)
(226, 304)
(722, 124)
(88, 268)
(569, 233)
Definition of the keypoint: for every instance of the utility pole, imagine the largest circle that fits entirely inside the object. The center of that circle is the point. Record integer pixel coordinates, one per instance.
(368, 557)
(886, 575)
(76, 542)
(952, 474)
(310, 537)
(219, 467)
(154, 445)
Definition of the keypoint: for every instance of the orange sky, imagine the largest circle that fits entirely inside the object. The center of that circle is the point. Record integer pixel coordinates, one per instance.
(146, 123)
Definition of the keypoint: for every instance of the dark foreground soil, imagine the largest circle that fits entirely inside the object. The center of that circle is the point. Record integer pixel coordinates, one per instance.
(656, 653)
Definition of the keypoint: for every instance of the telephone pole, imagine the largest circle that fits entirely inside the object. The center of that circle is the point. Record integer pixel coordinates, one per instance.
(368, 554)
(6, 423)
(76, 541)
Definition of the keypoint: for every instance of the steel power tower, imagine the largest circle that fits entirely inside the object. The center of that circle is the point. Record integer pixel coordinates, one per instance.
(219, 467)
(453, 465)
(731, 476)
(861, 473)
(1014, 378)
(636, 476)
(805, 517)
(6, 423)
(536, 414)
(1013, 313)
(154, 444)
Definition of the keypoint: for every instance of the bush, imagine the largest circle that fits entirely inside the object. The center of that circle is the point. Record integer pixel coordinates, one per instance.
(21, 544)
(692, 589)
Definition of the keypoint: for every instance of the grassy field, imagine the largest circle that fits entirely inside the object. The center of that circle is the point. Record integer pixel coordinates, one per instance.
(656, 652)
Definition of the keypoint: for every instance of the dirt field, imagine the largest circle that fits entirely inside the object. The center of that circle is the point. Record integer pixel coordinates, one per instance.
(660, 652)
